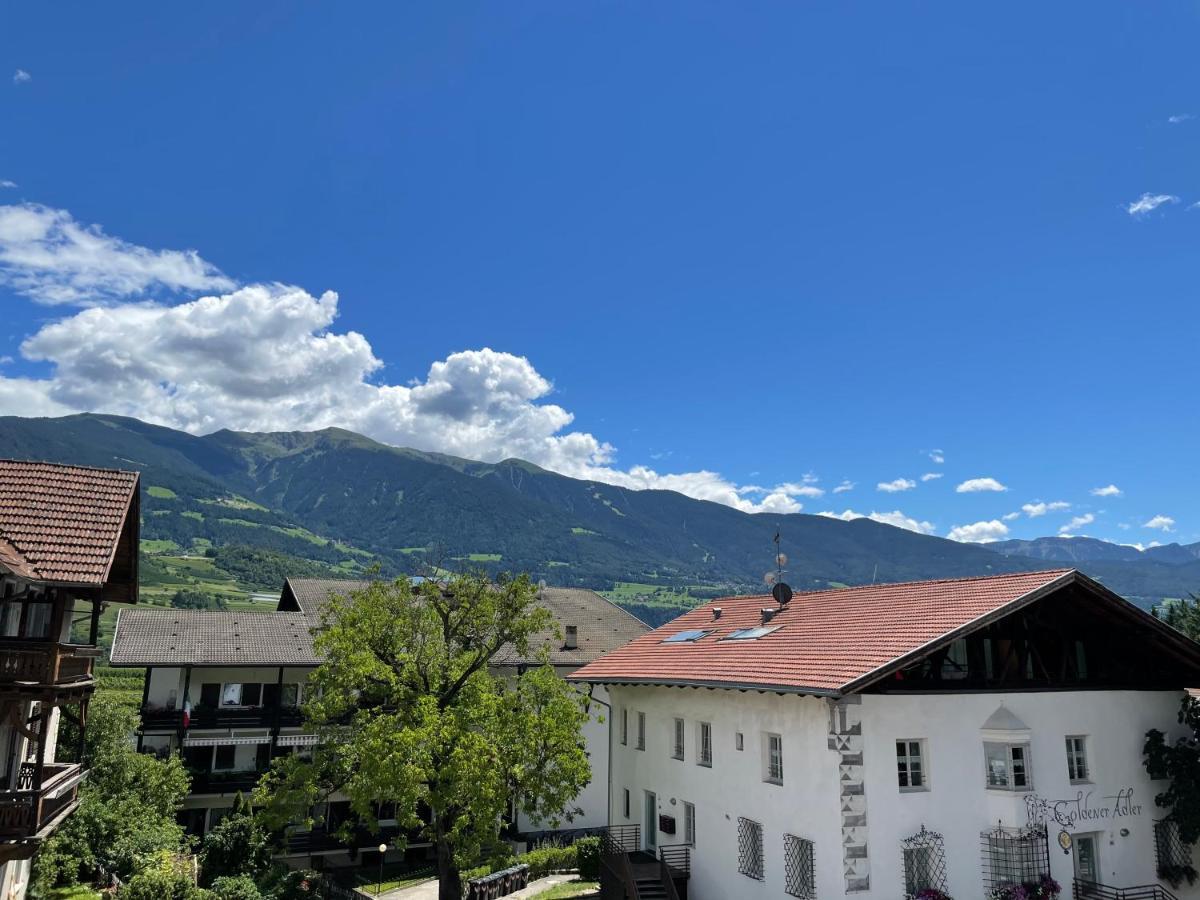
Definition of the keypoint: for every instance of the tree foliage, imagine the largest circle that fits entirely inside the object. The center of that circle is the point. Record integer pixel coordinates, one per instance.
(411, 712)
(237, 846)
(127, 808)
(1179, 762)
(184, 599)
(1182, 615)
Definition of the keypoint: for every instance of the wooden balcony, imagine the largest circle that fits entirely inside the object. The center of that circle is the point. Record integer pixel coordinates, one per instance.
(225, 782)
(32, 812)
(157, 719)
(46, 664)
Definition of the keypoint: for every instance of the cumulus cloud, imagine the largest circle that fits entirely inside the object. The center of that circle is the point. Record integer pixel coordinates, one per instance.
(1162, 523)
(979, 532)
(893, 487)
(1147, 203)
(1181, 117)
(895, 517)
(846, 485)
(21, 77)
(5, 183)
(1076, 522)
(1110, 490)
(1033, 510)
(937, 456)
(1008, 517)
(974, 485)
(48, 256)
(930, 476)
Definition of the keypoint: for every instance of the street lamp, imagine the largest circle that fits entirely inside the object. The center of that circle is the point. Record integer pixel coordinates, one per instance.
(379, 884)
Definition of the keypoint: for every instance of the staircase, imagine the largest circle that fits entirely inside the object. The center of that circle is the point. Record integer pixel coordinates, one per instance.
(1091, 890)
(651, 889)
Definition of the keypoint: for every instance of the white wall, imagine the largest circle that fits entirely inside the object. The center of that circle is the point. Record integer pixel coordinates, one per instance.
(167, 683)
(957, 804)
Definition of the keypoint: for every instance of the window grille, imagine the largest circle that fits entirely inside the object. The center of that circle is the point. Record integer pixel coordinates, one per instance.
(1170, 852)
(1077, 767)
(799, 871)
(704, 757)
(924, 862)
(677, 752)
(750, 848)
(641, 735)
(1014, 856)
(910, 765)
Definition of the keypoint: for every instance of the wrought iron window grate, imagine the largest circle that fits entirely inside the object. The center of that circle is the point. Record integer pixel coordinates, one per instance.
(1170, 852)
(799, 870)
(750, 848)
(1014, 855)
(924, 862)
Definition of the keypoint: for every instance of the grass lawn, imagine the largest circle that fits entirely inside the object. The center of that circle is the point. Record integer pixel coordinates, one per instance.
(570, 889)
(78, 892)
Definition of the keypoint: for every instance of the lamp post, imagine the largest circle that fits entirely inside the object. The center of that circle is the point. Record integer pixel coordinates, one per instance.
(379, 884)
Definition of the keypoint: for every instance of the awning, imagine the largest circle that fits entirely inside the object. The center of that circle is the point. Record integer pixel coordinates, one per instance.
(297, 740)
(224, 741)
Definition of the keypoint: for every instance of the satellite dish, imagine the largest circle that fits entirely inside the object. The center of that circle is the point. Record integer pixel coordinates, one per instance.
(769, 578)
(782, 593)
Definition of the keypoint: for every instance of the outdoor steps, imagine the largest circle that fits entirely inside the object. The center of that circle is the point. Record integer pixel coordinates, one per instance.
(651, 889)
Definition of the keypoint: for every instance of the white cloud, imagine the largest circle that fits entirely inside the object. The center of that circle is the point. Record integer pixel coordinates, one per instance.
(846, 485)
(1076, 522)
(1163, 523)
(5, 183)
(974, 485)
(1124, 526)
(1110, 490)
(979, 532)
(937, 456)
(930, 476)
(1147, 203)
(1143, 547)
(21, 77)
(48, 256)
(1033, 510)
(895, 517)
(1008, 517)
(893, 487)
(1181, 117)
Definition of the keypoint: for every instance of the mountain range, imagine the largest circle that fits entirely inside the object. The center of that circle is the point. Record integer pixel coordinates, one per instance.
(343, 503)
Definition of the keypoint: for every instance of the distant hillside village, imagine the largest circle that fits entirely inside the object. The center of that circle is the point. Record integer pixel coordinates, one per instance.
(1024, 734)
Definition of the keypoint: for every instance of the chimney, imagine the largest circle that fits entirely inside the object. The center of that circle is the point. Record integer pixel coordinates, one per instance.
(716, 611)
(767, 614)
(572, 640)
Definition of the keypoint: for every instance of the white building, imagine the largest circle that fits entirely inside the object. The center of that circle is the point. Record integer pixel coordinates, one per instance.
(224, 688)
(68, 545)
(874, 741)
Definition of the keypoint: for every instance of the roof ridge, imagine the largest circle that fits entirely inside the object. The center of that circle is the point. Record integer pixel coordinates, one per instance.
(58, 465)
(885, 584)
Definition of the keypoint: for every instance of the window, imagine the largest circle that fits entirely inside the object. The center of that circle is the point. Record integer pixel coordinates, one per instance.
(910, 765)
(750, 848)
(1077, 765)
(799, 871)
(704, 743)
(1170, 852)
(1008, 767)
(689, 823)
(210, 694)
(223, 758)
(231, 695)
(773, 758)
(737, 741)
(624, 727)
(251, 694)
(1014, 856)
(681, 637)
(641, 744)
(289, 697)
(750, 634)
(627, 803)
(677, 744)
(954, 663)
(924, 862)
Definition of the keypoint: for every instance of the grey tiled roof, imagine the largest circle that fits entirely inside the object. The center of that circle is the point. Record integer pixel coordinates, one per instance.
(201, 637)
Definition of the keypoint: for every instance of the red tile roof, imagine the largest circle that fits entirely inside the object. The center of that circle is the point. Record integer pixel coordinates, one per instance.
(62, 523)
(826, 640)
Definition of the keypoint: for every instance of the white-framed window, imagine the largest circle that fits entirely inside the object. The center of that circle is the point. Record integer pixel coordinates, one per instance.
(911, 771)
(1077, 761)
(1008, 767)
(689, 823)
(624, 726)
(231, 694)
(773, 758)
(641, 735)
(704, 744)
(677, 743)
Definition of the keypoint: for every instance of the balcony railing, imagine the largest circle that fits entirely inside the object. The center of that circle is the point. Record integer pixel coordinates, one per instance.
(46, 663)
(28, 810)
(319, 839)
(224, 782)
(1091, 890)
(157, 719)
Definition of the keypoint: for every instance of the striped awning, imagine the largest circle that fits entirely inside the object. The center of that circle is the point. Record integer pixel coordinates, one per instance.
(224, 741)
(297, 740)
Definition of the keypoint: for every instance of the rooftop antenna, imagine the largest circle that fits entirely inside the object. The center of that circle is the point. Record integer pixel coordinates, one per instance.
(779, 589)
(876, 572)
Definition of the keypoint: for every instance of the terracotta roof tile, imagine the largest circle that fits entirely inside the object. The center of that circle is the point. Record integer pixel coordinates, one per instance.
(825, 640)
(62, 523)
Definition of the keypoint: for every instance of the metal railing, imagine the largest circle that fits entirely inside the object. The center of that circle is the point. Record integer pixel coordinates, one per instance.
(46, 662)
(677, 856)
(616, 872)
(668, 879)
(1092, 890)
(208, 717)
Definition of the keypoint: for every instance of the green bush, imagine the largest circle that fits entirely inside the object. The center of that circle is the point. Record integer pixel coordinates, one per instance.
(546, 860)
(236, 887)
(587, 855)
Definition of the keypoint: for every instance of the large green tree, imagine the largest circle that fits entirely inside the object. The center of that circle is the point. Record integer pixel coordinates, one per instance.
(1182, 615)
(412, 711)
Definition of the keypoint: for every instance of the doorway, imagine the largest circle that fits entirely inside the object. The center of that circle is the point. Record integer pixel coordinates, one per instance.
(650, 829)
(1087, 857)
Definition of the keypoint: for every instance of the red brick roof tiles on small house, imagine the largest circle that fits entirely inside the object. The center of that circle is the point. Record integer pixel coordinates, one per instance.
(70, 525)
(837, 641)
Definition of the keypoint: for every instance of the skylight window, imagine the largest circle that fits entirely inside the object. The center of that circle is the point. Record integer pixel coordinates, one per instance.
(750, 634)
(682, 637)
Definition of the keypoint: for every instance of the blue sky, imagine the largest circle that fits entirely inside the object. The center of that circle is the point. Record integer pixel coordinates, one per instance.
(794, 246)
